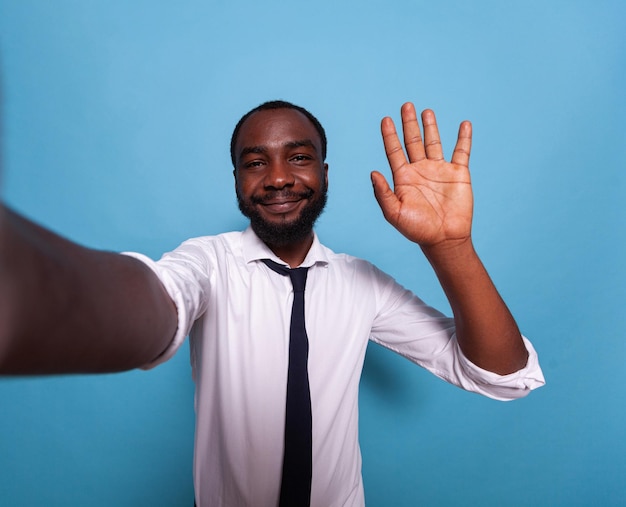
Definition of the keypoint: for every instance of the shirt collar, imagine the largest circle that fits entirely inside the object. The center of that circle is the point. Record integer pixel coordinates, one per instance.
(254, 250)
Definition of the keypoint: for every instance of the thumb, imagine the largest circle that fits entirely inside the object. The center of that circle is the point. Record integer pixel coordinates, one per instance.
(387, 200)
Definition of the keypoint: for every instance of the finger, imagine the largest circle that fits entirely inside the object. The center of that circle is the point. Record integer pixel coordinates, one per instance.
(412, 136)
(387, 200)
(393, 148)
(432, 142)
(461, 154)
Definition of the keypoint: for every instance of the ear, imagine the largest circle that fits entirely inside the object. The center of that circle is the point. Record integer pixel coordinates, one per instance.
(235, 179)
(326, 173)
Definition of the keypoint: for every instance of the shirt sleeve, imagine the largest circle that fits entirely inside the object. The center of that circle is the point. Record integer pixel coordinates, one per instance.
(185, 274)
(422, 334)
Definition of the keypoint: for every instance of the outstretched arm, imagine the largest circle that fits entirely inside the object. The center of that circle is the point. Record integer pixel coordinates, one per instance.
(69, 309)
(431, 204)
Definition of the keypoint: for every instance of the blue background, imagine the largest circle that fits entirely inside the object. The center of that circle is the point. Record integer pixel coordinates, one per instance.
(117, 118)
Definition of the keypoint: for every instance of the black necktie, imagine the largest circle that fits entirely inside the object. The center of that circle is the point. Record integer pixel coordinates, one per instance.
(295, 489)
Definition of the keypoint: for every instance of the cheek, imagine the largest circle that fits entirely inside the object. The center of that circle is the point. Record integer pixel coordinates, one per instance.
(244, 185)
(314, 180)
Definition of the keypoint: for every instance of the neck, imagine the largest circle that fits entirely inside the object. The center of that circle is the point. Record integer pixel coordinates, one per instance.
(293, 253)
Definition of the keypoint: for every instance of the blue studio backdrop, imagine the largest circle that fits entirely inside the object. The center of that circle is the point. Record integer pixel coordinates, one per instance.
(116, 121)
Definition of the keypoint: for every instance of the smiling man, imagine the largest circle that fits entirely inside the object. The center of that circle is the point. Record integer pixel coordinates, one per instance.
(278, 323)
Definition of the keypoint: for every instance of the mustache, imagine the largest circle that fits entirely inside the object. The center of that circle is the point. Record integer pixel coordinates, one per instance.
(281, 194)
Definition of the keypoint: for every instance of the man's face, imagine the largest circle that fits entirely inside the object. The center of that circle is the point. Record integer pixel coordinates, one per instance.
(280, 176)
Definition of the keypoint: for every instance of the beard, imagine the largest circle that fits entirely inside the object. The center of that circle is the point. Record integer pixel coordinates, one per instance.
(284, 233)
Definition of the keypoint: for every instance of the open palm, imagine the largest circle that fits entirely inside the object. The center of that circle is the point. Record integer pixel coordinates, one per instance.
(431, 201)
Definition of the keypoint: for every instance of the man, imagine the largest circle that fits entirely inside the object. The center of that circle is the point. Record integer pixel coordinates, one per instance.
(109, 312)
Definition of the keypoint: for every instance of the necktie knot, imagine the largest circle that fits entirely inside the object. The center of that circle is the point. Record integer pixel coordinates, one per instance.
(298, 278)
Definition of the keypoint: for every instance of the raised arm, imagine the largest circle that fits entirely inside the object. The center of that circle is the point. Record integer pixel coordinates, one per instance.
(69, 309)
(431, 204)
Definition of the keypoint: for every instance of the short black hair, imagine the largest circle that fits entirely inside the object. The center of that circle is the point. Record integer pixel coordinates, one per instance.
(278, 104)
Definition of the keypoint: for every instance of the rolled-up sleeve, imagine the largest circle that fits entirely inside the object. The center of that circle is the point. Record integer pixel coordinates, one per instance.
(505, 387)
(184, 276)
(406, 325)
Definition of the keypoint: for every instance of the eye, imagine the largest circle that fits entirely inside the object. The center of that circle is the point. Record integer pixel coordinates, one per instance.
(300, 158)
(253, 163)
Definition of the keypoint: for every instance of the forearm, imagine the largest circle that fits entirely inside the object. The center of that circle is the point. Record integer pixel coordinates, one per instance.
(486, 330)
(65, 308)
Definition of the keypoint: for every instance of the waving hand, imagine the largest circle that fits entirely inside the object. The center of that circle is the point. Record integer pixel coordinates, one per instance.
(431, 201)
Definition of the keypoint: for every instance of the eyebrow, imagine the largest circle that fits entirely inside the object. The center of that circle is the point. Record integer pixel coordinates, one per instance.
(306, 143)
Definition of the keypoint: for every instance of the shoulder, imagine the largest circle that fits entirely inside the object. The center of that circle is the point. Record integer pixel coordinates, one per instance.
(349, 265)
(207, 244)
(205, 250)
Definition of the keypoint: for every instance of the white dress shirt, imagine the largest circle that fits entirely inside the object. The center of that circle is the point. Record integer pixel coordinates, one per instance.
(237, 313)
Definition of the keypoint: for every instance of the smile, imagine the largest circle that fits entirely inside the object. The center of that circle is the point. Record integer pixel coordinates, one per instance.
(282, 202)
(280, 206)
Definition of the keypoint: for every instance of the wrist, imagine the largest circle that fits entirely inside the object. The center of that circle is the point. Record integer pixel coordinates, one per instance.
(452, 250)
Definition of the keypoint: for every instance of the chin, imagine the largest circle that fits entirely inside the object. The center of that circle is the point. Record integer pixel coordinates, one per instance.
(281, 232)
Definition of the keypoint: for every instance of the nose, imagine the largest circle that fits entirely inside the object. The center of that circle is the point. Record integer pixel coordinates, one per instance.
(278, 175)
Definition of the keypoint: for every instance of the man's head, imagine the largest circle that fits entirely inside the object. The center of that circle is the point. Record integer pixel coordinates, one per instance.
(278, 151)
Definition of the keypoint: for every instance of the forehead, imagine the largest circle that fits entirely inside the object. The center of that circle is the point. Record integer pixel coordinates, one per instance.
(276, 127)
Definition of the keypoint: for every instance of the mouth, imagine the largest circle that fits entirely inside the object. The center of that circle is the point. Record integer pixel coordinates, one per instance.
(281, 202)
(281, 208)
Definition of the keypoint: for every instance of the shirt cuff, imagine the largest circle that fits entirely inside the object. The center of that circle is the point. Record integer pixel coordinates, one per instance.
(177, 298)
(506, 387)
